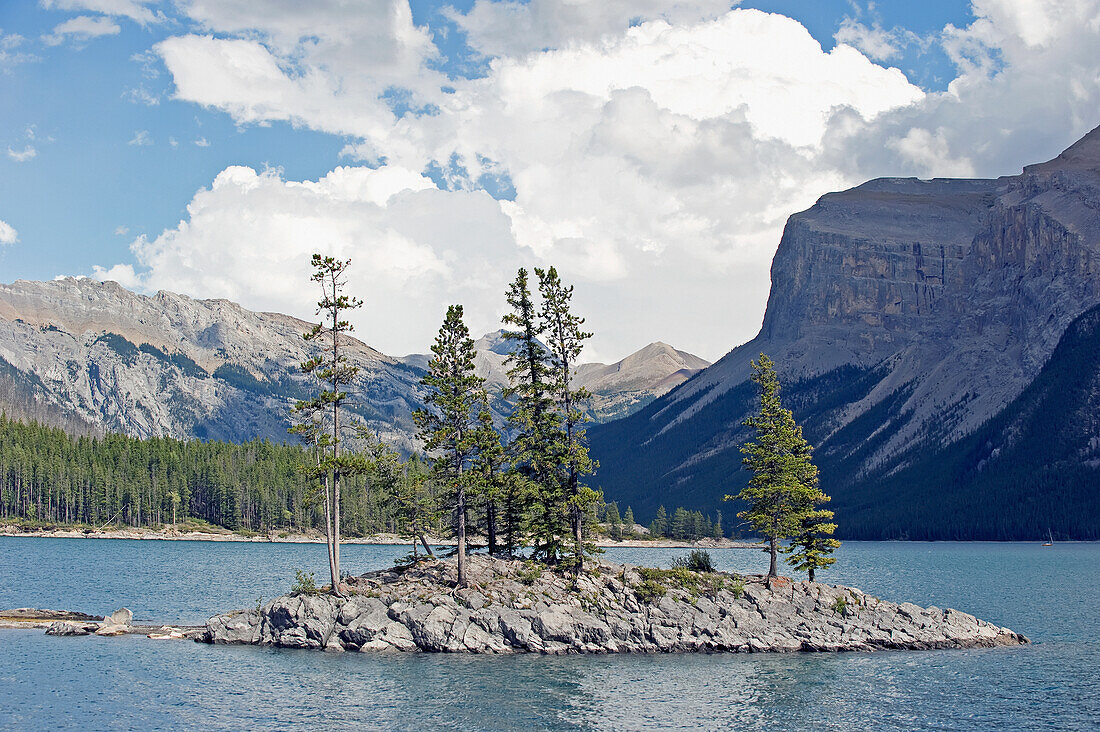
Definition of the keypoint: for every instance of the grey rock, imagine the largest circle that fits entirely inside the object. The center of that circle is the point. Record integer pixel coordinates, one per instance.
(122, 616)
(798, 617)
(70, 627)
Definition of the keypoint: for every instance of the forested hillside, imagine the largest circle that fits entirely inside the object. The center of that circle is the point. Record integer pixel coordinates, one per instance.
(46, 475)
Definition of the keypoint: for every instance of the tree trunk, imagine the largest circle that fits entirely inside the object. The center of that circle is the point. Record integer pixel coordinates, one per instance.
(491, 521)
(773, 550)
(427, 546)
(332, 571)
(461, 532)
(811, 573)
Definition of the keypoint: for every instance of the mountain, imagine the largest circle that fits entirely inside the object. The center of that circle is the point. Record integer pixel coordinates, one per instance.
(170, 365)
(617, 389)
(906, 316)
(91, 357)
(626, 386)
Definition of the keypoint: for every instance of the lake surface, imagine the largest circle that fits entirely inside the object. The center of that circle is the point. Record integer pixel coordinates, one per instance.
(1050, 594)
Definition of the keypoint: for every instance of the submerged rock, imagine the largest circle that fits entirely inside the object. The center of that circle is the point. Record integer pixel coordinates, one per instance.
(512, 607)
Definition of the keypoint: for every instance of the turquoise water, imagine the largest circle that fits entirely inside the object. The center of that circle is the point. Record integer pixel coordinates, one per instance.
(1050, 594)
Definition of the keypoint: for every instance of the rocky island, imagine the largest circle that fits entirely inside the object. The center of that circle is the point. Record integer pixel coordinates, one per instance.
(512, 606)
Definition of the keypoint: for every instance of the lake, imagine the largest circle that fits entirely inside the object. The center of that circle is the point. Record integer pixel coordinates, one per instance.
(1051, 594)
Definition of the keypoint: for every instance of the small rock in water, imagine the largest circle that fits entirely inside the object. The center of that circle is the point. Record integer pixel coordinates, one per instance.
(112, 629)
(68, 627)
(122, 617)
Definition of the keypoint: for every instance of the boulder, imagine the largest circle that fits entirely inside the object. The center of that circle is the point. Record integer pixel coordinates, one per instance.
(69, 627)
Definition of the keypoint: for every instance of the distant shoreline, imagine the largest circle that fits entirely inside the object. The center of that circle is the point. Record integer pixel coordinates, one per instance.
(294, 538)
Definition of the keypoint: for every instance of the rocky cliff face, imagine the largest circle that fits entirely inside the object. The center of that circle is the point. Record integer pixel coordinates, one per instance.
(170, 365)
(903, 314)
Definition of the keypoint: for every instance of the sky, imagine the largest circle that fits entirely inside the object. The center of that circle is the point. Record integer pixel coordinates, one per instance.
(650, 150)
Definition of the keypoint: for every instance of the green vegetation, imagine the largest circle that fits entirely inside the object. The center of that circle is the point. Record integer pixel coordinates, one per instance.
(304, 584)
(681, 578)
(783, 492)
(698, 561)
(685, 525)
(456, 415)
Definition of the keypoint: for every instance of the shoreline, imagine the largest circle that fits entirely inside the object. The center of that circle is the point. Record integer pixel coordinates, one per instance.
(142, 534)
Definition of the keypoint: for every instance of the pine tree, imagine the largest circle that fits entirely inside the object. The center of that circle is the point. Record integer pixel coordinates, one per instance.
(811, 548)
(628, 521)
(659, 525)
(319, 418)
(783, 487)
(490, 472)
(451, 427)
(566, 341)
(614, 523)
(536, 450)
(678, 528)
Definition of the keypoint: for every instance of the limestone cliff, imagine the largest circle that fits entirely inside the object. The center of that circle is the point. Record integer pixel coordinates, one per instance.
(904, 314)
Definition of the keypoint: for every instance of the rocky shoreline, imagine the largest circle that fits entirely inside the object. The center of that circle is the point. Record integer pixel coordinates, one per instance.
(517, 607)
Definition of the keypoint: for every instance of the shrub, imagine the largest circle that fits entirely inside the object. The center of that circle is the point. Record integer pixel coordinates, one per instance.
(649, 590)
(698, 561)
(531, 571)
(303, 583)
(840, 605)
(737, 587)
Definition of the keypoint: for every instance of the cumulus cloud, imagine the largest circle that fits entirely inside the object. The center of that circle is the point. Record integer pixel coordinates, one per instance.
(81, 28)
(652, 150)
(8, 234)
(1026, 88)
(414, 248)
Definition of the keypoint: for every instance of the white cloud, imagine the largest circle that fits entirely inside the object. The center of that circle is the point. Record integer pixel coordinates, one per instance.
(10, 55)
(517, 28)
(202, 142)
(22, 156)
(655, 149)
(415, 249)
(81, 28)
(141, 138)
(121, 231)
(1027, 88)
(875, 42)
(136, 10)
(141, 95)
(8, 234)
(123, 274)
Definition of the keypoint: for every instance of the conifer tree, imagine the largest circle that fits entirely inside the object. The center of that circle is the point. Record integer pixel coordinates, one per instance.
(451, 427)
(783, 487)
(566, 341)
(320, 416)
(614, 523)
(659, 525)
(628, 521)
(490, 474)
(812, 547)
(536, 449)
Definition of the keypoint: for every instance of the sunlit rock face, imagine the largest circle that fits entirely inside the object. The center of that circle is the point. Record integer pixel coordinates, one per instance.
(903, 315)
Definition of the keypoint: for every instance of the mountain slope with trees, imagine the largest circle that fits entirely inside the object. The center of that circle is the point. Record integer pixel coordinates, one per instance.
(904, 316)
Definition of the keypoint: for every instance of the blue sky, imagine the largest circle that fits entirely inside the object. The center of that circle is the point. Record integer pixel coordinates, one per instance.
(112, 137)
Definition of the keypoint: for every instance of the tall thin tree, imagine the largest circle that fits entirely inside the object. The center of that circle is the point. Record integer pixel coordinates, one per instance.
(534, 451)
(565, 340)
(450, 426)
(334, 373)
